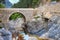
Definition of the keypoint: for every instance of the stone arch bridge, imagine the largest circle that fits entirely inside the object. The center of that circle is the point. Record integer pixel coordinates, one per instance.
(27, 12)
(6, 12)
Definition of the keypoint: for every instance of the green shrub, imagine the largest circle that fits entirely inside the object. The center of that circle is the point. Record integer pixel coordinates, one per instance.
(37, 17)
(0, 27)
(2, 6)
(15, 15)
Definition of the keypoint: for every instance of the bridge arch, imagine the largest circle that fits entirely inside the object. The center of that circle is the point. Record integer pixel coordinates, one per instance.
(19, 14)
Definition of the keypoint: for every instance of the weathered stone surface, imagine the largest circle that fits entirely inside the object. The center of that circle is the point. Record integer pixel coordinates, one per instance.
(28, 13)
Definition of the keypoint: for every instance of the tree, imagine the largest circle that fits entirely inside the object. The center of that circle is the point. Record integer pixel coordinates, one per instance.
(2, 1)
(21, 3)
(26, 4)
(35, 3)
(2, 5)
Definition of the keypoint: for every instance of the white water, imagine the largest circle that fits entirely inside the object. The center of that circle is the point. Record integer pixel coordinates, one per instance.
(16, 24)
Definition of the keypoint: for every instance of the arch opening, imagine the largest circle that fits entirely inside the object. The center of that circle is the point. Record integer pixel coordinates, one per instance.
(16, 15)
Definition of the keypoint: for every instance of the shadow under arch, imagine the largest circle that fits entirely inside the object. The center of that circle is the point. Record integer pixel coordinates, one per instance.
(18, 13)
